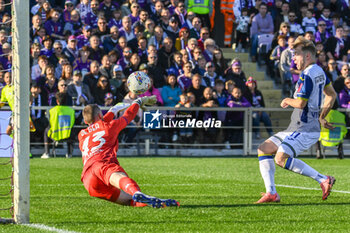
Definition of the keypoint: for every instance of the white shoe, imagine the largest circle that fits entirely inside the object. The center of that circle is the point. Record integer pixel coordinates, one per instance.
(227, 145)
(45, 156)
(68, 156)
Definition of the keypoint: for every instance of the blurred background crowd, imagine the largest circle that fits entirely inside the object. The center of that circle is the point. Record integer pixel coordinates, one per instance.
(88, 48)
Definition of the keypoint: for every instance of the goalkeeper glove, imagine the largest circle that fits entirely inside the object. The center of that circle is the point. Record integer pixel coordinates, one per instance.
(118, 108)
(146, 100)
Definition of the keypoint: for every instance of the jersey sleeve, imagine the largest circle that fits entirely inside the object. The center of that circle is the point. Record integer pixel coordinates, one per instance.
(127, 117)
(108, 116)
(305, 88)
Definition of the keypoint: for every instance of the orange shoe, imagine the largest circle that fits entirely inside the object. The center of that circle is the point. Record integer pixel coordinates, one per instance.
(268, 197)
(326, 186)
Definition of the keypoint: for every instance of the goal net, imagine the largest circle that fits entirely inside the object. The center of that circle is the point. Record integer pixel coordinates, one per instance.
(19, 177)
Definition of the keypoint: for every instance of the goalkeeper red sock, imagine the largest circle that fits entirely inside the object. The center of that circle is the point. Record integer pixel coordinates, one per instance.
(128, 185)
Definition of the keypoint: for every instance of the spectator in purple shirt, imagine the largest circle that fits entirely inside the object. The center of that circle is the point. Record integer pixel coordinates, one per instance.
(344, 95)
(53, 26)
(68, 7)
(262, 23)
(325, 17)
(84, 8)
(83, 39)
(96, 52)
(126, 30)
(47, 49)
(185, 80)
(91, 17)
(107, 7)
(74, 24)
(116, 20)
(322, 34)
(125, 59)
(235, 100)
(135, 12)
(82, 63)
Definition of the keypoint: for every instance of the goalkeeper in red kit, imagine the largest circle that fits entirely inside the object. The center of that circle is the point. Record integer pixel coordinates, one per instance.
(102, 175)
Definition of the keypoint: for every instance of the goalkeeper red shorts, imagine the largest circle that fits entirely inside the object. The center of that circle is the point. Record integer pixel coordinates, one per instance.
(96, 180)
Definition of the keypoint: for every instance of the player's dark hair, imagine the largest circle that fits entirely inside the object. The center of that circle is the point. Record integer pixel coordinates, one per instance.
(61, 98)
(90, 113)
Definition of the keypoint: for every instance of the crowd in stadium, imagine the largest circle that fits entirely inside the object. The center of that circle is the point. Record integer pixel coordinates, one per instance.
(88, 48)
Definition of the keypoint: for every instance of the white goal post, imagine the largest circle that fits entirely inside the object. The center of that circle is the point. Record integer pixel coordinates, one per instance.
(21, 77)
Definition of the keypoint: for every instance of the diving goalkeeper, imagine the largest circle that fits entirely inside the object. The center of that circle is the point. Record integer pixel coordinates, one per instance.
(102, 175)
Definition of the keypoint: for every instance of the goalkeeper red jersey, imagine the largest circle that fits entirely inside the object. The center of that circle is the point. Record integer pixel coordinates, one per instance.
(99, 142)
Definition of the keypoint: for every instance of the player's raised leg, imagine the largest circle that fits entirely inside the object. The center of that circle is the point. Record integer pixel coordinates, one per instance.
(267, 170)
(121, 181)
(284, 160)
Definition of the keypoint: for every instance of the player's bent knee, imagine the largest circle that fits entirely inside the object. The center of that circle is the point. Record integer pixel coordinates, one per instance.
(115, 178)
(267, 147)
(280, 159)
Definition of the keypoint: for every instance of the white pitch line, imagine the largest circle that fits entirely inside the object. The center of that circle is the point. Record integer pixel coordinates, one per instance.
(47, 228)
(306, 188)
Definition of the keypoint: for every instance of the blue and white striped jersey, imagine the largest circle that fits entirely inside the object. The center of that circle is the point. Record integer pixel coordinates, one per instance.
(309, 87)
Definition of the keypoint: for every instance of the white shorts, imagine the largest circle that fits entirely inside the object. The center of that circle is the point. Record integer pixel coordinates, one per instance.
(293, 143)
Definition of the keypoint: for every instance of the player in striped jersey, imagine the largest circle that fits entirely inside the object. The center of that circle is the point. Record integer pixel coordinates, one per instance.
(304, 128)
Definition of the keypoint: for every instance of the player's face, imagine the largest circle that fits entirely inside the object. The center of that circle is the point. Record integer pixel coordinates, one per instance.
(299, 58)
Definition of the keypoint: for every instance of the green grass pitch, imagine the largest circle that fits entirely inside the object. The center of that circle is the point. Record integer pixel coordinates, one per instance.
(216, 195)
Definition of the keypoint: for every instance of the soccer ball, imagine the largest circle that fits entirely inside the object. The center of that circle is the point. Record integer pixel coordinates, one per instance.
(139, 82)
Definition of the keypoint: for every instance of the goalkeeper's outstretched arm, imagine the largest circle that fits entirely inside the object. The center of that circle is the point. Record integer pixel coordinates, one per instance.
(131, 110)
